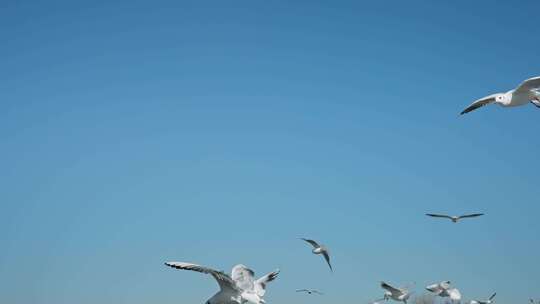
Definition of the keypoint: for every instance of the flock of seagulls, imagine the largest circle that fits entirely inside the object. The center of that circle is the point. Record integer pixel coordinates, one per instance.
(241, 286)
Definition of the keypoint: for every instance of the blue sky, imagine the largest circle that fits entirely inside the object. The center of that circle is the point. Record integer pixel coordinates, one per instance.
(219, 132)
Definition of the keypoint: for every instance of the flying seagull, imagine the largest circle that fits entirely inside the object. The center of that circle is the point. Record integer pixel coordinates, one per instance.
(488, 301)
(320, 249)
(443, 289)
(310, 291)
(238, 288)
(527, 91)
(396, 294)
(454, 218)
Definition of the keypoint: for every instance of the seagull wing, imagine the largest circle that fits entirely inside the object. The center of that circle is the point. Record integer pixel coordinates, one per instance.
(318, 292)
(392, 289)
(225, 282)
(260, 284)
(492, 296)
(479, 103)
(243, 277)
(470, 215)
(327, 258)
(435, 288)
(528, 85)
(439, 215)
(302, 290)
(312, 242)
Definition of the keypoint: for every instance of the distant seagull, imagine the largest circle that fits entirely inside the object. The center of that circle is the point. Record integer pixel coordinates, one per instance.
(443, 289)
(238, 288)
(320, 249)
(488, 301)
(396, 294)
(454, 218)
(310, 291)
(527, 91)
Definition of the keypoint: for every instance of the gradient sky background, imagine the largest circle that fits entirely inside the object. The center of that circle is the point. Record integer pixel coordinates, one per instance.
(218, 132)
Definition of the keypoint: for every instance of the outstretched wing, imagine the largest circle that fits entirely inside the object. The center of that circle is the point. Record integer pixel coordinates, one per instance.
(327, 258)
(439, 215)
(470, 215)
(528, 85)
(302, 290)
(260, 284)
(312, 242)
(392, 289)
(435, 288)
(492, 296)
(225, 282)
(479, 103)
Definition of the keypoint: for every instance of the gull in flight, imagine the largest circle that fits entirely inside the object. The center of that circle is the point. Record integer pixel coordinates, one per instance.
(310, 291)
(454, 218)
(527, 91)
(443, 289)
(239, 288)
(488, 301)
(396, 294)
(320, 249)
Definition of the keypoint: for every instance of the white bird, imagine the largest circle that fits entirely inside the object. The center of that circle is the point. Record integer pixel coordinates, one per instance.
(488, 301)
(238, 288)
(310, 291)
(454, 218)
(527, 91)
(396, 294)
(443, 289)
(320, 249)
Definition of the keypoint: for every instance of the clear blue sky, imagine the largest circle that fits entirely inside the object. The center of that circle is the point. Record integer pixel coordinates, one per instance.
(219, 132)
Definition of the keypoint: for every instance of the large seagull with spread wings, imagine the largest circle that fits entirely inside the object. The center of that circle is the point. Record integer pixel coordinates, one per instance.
(527, 91)
(238, 288)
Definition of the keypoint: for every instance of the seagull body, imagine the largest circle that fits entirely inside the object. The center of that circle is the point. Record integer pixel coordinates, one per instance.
(454, 218)
(320, 249)
(488, 301)
(443, 289)
(527, 91)
(310, 291)
(396, 294)
(238, 288)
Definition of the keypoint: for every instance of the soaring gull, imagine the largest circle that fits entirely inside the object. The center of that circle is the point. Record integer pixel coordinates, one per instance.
(310, 291)
(527, 91)
(488, 301)
(396, 294)
(443, 289)
(239, 288)
(320, 249)
(454, 218)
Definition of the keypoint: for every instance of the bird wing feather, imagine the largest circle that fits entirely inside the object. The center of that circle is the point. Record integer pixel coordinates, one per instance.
(225, 282)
